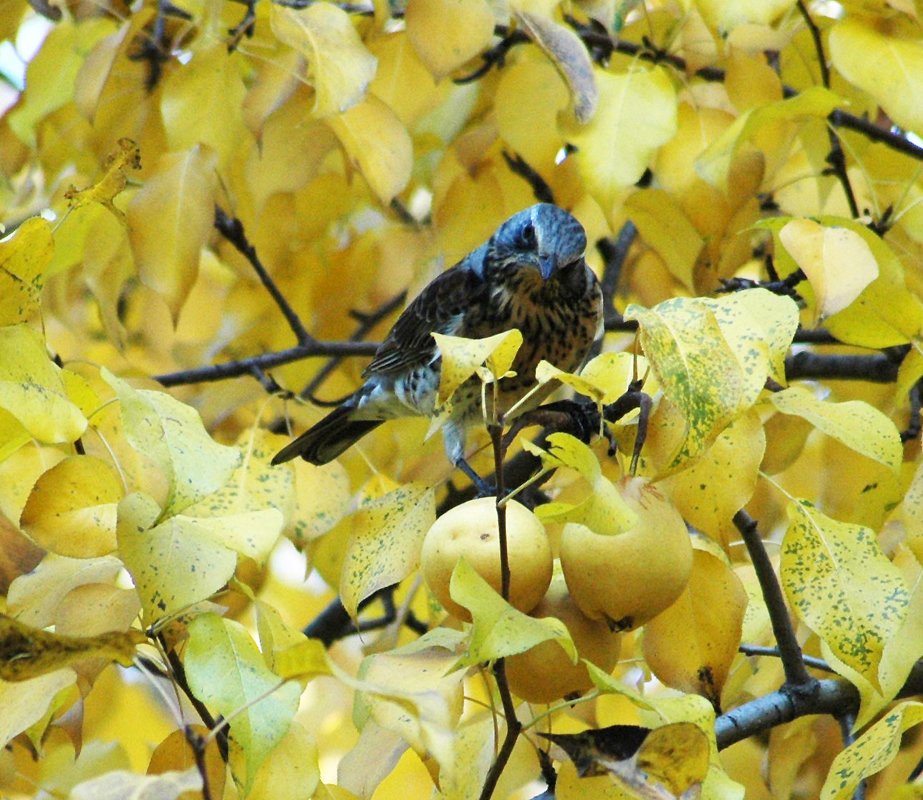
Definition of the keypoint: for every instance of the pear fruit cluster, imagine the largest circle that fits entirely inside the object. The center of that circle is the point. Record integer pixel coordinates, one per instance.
(606, 584)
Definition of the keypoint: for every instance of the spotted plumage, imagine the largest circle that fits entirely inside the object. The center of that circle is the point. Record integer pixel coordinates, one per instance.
(530, 275)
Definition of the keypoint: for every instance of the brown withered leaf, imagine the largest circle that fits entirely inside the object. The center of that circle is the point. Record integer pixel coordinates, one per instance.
(27, 652)
(666, 763)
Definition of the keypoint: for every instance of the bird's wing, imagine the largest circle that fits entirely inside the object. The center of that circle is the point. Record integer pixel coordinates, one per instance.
(438, 308)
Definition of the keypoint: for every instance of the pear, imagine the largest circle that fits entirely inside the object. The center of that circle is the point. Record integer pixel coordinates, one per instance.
(629, 578)
(545, 673)
(471, 530)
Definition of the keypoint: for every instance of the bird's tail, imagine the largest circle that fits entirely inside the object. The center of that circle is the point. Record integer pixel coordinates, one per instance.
(328, 438)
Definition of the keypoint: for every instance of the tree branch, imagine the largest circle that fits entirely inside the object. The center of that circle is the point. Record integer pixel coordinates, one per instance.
(796, 676)
(247, 366)
(827, 696)
(232, 229)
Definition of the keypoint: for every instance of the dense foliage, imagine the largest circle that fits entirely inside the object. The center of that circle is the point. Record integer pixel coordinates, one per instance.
(213, 211)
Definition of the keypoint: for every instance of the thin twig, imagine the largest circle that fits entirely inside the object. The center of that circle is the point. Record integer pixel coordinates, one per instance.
(367, 321)
(245, 366)
(232, 229)
(513, 725)
(835, 158)
(758, 650)
(789, 650)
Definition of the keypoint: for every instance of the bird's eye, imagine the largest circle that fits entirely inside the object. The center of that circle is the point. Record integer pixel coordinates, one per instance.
(527, 235)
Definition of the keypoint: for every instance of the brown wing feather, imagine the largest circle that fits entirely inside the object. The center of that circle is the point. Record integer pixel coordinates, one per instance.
(437, 308)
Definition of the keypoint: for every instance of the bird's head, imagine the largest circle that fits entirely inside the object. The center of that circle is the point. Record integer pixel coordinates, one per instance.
(542, 236)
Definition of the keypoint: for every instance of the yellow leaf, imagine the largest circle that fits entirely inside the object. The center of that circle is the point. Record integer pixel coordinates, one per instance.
(729, 14)
(52, 74)
(526, 104)
(170, 220)
(722, 480)
(912, 514)
(874, 750)
(377, 144)
(36, 597)
(27, 652)
(604, 511)
(385, 543)
(546, 372)
(759, 327)
(322, 498)
(499, 629)
(611, 373)
(461, 359)
(675, 756)
(254, 494)
(854, 423)
(226, 672)
(900, 655)
(175, 753)
(842, 586)
(104, 191)
(664, 226)
(26, 702)
(32, 389)
(568, 54)
(201, 103)
(402, 80)
(415, 692)
(173, 436)
(71, 509)
(887, 67)
(24, 257)
(837, 261)
(339, 65)
(637, 109)
(448, 33)
(715, 163)
(291, 769)
(691, 645)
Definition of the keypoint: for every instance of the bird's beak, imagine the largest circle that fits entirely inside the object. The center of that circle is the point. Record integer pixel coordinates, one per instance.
(545, 265)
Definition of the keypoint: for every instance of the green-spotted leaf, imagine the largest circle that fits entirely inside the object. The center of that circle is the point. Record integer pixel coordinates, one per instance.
(695, 366)
(23, 259)
(842, 586)
(177, 563)
(499, 629)
(227, 672)
(759, 327)
(871, 752)
(384, 546)
(855, 423)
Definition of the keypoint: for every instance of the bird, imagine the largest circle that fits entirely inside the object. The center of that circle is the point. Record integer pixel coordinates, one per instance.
(531, 275)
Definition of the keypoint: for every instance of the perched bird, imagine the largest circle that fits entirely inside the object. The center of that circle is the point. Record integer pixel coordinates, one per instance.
(530, 275)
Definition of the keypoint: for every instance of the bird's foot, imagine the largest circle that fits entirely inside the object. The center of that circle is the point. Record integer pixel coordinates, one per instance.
(484, 487)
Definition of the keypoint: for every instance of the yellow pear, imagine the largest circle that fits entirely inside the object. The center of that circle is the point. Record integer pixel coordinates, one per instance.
(471, 530)
(631, 577)
(545, 673)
